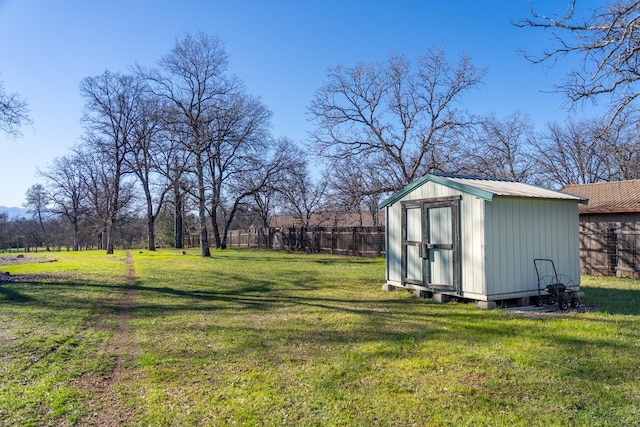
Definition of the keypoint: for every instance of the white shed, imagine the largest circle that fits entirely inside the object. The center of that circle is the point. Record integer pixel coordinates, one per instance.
(477, 238)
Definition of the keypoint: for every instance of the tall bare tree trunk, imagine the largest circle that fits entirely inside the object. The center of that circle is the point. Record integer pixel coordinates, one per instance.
(110, 235)
(76, 235)
(178, 238)
(151, 234)
(202, 217)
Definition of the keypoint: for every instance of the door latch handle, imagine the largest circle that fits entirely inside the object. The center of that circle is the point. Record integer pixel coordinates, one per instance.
(424, 250)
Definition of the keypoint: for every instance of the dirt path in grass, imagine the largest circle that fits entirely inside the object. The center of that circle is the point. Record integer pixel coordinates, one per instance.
(106, 407)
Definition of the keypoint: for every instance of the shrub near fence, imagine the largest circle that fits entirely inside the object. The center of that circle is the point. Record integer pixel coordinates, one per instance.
(352, 241)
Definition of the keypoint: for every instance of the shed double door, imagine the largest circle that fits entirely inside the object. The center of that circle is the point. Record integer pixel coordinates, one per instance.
(431, 243)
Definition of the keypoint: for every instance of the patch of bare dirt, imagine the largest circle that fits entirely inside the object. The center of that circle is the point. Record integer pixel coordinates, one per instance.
(106, 407)
(535, 312)
(22, 259)
(22, 278)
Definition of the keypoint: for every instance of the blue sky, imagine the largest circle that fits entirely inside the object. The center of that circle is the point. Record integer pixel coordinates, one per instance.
(281, 49)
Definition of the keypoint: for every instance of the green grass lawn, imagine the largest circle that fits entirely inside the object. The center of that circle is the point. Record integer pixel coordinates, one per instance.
(270, 338)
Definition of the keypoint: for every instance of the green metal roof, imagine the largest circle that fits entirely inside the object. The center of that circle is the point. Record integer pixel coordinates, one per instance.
(484, 188)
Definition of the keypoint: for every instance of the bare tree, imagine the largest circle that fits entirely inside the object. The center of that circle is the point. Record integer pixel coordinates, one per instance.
(36, 203)
(399, 118)
(27, 234)
(571, 154)
(112, 111)
(99, 172)
(4, 234)
(607, 42)
(173, 164)
(263, 203)
(96, 173)
(67, 190)
(149, 153)
(14, 113)
(301, 194)
(192, 79)
(286, 158)
(502, 148)
(237, 165)
(352, 187)
(589, 151)
(618, 145)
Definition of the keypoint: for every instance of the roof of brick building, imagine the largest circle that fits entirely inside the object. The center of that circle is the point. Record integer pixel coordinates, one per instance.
(608, 197)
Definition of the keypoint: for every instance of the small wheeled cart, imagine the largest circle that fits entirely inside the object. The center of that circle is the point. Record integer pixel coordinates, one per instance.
(554, 287)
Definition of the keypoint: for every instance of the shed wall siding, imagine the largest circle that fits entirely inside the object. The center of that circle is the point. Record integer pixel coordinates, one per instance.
(519, 230)
(394, 243)
(473, 246)
(472, 236)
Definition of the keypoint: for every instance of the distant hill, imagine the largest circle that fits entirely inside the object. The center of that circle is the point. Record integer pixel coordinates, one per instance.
(14, 213)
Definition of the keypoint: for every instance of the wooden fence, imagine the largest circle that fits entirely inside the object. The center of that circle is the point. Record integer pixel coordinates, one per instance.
(610, 248)
(352, 241)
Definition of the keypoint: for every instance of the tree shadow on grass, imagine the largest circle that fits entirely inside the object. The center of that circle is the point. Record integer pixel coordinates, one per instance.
(366, 319)
(9, 294)
(613, 300)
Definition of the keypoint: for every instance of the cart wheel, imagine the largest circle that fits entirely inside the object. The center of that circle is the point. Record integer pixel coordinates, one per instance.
(575, 302)
(539, 302)
(563, 304)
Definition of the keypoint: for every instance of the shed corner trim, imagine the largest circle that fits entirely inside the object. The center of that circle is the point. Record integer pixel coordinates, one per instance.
(403, 192)
(438, 179)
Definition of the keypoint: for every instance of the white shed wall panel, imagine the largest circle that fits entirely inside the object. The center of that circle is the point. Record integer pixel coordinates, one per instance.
(414, 224)
(394, 243)
(473, 242)
(519, 230)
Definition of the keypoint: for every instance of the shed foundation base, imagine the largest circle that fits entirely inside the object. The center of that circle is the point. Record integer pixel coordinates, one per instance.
(389, 288)
(417, 293)
(441, 298)
(487, 305)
